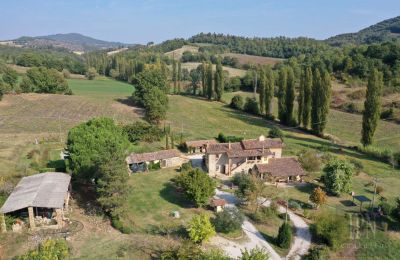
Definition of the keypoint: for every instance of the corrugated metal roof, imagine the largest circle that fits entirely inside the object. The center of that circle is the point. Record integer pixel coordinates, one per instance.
(46, 190)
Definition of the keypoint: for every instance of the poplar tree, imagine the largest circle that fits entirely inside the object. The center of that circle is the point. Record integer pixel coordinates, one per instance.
(320, 101)
(179, 76)
(209, 81)
(290, 95)
(269, 91)
(372, 107)
(300, 98)
(204, 78)
(282, 82)
(307, 92)
(174, 74)
(262, 91)
(219, 81)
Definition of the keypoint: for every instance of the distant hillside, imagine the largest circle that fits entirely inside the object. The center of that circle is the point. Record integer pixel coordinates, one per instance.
(71, 41)
(383, 31)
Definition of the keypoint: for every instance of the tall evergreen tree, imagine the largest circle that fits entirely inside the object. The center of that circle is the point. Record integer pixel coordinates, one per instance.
(290, 95)
(372, 107)
(300, 98)
(204, 78)
(307, 96)
(219, 81)
(174, 78)
(282, 82)
(269, 91)
(321, 99)
(179, 76)
(261, 90)
(209, 81)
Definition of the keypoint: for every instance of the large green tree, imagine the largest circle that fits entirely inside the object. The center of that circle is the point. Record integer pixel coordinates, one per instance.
(198, 186)
(306, 87)
(97, 151)
(261, 89)
(282, 85)
(10, 76)
(338, 176)
(321, 93)
(219, 81)
(43, 80)
(204, 79)
(372, 107)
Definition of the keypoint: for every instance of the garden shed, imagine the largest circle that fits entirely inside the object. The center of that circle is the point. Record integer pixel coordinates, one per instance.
(38, 200)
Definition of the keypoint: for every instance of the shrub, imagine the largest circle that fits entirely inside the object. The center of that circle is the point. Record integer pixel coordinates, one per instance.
(317, 253)
(284, 238)
(49, 249)
(186, 167)
(200, 228)
(91, 74)
(228, 138)
(310, 161)
(318, 197)
(358, 165)
(275, 132)
(236, 102)
(141, 131)
(251, 106)
(229, 220)
(379, 189)
(117, 224)
(254, 254)
(386, 208)
(331, 229)
(294, 205)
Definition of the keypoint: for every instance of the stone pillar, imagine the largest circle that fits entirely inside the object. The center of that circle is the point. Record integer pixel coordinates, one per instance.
(66, 201)
(59, 218)
(3, 227)
(31, 218)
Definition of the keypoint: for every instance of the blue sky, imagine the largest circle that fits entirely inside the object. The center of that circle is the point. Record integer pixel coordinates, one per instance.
(141, 21)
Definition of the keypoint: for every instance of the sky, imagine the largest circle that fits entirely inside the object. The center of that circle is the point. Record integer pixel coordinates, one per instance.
(142, 21)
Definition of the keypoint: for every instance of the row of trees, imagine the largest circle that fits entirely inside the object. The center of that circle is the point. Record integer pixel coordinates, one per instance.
(212, 82)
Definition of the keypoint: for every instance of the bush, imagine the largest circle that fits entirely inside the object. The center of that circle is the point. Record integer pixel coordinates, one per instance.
(117, 224)
(331, 229)
(141, 131)
(284, 238)
(228, 138)
(387, 114)
(318, 197)
(229, 220)
(294, 205)
(317, 253)
(310, 161)
(236, 102)
(358, 165)
(275, 132)
(265, 213)
(91, 74)
(251, 106)
(386, 208)
(254, 254)
(338, 176)
(186, 167)
(200, 228)
(49, 249)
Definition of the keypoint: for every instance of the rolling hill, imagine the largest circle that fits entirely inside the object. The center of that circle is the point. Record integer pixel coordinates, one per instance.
(383, 31)
(72, 41)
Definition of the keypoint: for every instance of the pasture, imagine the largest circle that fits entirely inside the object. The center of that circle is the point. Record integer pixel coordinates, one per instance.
(177, 54)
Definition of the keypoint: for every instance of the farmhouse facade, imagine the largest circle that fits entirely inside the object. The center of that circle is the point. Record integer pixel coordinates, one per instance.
(262, 156)
(42, 198)
(139, 162)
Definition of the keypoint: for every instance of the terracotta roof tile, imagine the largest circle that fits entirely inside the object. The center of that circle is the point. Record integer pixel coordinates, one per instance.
(198, 143)
(146, 157)
(257, 144)
(287, 166)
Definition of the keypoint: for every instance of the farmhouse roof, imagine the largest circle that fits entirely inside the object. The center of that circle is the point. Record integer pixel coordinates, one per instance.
(147, 157)
(46, 190)
(248, 153)
(261, 142)
(217, 202)
(281, 167)
(199, 143)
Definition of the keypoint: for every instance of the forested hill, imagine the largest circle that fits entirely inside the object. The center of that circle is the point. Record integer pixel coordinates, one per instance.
(70, 41)
(386, 30)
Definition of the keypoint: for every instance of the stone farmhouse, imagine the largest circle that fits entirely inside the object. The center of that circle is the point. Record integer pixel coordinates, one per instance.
(139, 162)
(263, 156)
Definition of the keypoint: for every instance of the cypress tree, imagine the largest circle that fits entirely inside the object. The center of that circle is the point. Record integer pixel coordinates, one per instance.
(219, 81)
(204, 78)
(307, 90)
(282, 82)
(269, 91)
(325, 100)
(290, 95)
(179, 76)
(166, 142)
(261, 90)
(174, 74)
(315, 101)
(209, 81)
(172, 141)
(300, 98)
(372, 107)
